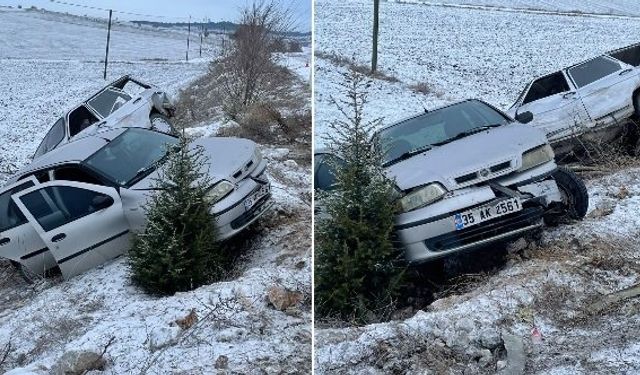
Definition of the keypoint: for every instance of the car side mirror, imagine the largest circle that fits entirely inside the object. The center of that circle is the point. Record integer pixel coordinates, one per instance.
(524, 117)
(101, 202)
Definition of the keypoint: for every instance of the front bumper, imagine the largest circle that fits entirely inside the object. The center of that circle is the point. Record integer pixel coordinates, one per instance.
(235, 216)
(430, 233)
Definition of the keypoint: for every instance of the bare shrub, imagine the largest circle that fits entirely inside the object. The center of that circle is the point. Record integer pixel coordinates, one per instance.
(353, 65)
(264, 123)
(421, 88)
(247, 63)
(603, 152)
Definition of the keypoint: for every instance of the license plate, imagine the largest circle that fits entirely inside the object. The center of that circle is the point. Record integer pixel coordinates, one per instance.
(478, 215)
(252, 199)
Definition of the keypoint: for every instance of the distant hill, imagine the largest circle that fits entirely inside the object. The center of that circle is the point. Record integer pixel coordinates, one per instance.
(224, 26)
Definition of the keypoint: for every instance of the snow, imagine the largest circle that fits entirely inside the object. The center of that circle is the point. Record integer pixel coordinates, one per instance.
(52, 65)
(616, 7)
(490, 54)
(459, 53)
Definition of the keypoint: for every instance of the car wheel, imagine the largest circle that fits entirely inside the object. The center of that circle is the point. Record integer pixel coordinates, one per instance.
(29, 276)
(575, 198)
(161, 123)
(636, 104)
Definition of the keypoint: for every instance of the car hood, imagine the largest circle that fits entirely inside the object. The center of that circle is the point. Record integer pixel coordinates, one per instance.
(471, 154)
(227, 157)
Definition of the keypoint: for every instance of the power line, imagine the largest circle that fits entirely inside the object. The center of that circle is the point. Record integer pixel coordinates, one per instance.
(115, 11)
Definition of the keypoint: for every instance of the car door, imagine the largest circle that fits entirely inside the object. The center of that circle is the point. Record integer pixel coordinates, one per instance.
(83, 225)
(19, 241)
(555, 105)
(606, 88)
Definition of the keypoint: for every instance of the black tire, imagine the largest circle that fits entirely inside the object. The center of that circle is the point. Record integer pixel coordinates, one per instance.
(574, 195)
(161, 123)
(636, 103)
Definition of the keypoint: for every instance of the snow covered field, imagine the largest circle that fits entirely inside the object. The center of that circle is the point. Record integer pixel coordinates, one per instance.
(458, 53)
(45, 71)
(617, 7)
(545, 294)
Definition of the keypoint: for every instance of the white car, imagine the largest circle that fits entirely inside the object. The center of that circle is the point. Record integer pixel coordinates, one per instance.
(124, 102)
(596, 97)
(76, 206)
(459, 191)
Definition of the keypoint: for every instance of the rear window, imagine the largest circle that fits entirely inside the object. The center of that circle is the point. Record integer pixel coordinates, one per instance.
(52, 139)
(109, 101)
(629, 55)
(593, 70)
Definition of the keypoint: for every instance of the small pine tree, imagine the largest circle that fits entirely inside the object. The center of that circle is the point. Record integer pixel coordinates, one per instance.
(357, 273)
(178, 250)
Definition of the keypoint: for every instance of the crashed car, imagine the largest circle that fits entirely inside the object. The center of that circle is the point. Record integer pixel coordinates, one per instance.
(468, 175)
(77, 206)
(124, 102)
(594, 99)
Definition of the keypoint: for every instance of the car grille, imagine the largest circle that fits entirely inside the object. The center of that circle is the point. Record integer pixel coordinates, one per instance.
(483, 174)
(486, 231)
(252, 213)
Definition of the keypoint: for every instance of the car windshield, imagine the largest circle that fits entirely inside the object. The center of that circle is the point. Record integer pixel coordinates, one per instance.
(132, 155)
(435, 128)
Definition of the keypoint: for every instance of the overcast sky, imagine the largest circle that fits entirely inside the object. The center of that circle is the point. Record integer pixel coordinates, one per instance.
(167, 10)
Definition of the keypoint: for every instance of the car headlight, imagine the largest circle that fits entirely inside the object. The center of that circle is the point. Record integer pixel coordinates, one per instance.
(219, 191)
(422, 196)
(536, 156)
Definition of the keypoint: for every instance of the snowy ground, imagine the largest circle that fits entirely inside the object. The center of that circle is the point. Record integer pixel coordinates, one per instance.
(458, 53)
(616, 7)
(547, 289)
(238, 330)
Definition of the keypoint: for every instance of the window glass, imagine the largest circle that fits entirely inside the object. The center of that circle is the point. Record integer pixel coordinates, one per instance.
(132, 155)
(546, 86)
(54, 206)
(629, 55)
(325, 178)
(593, 70)
(52, 139)
(10, 215)
(109, 101)
(435, 127)
(80, 119)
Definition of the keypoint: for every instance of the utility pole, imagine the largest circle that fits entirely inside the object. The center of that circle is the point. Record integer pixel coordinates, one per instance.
(106, 55)
(374, 53)
(188, 37)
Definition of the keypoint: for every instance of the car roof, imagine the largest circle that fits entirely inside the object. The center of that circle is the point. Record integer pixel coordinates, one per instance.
(75, 151)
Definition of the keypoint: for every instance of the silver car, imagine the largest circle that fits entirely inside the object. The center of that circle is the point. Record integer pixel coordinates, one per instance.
(468, 175)
(76, 206)
(124, 102)
(593, 98)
